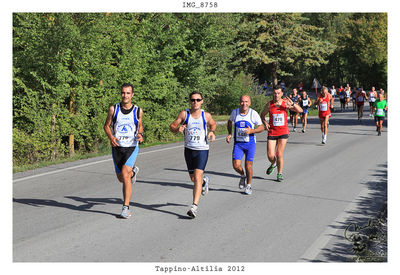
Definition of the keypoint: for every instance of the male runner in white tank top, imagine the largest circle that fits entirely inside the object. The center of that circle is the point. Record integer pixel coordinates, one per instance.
(193, 123)
(127, 131)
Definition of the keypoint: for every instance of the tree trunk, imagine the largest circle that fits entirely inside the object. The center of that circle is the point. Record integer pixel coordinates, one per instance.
(71, 145)
(71, 140)
(53, 128)
(274, 74)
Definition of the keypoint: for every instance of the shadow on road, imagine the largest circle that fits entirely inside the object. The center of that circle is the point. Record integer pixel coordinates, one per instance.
(368, 207)
(88, 203)
(229, 175)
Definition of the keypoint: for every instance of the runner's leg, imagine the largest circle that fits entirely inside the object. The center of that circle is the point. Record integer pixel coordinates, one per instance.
(125, 175)
(271, 150)
(198, 182)
(280, 148)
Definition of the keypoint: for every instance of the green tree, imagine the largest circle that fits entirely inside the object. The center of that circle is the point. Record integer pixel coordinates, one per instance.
(280, 43)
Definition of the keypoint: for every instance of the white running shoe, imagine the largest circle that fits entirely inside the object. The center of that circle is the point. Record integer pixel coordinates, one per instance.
(135, 171)
(248, 189)
(125, 214)
(206, 181)
(192, 211)
(242, 182)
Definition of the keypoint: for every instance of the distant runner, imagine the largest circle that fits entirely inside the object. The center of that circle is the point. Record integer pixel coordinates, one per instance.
(348, 92)
(333, 91)
(304, 102)
(342, 98)
(372, 98)
(193, 123)
(360, 97)
(380, 107)
(244, 119)
(324, 101)
(278, 129)
(294, 96)
(354, 98)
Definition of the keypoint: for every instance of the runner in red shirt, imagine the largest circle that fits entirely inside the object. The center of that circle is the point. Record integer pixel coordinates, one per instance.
(324, 102)
(360, 97)
(278, 130)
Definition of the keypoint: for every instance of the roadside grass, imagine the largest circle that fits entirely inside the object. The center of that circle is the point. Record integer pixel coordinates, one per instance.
(105, 149)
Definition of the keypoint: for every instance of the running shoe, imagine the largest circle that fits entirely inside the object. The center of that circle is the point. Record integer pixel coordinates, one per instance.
(242, 182)
(303, 130)
(379, 133)
(248, 189)
(279, 177)
(135, 171)
(204, 190)
(294, 129)
(125, 214)
(323, 141)
(192, 211)
(270, 169)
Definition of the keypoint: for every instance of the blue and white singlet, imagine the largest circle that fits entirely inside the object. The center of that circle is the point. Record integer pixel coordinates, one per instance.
(196, 132)
(125, 126)
(241, 122)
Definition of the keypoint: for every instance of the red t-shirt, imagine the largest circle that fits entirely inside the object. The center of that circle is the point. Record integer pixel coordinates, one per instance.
(278, 124)
(324, 106)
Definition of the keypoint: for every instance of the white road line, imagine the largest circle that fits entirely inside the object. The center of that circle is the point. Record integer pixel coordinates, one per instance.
(95, 162)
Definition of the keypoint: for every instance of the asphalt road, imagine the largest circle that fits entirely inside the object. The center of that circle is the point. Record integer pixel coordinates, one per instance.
(69, 212)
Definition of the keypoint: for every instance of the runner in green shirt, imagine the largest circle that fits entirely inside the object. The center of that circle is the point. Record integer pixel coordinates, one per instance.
(380, 107)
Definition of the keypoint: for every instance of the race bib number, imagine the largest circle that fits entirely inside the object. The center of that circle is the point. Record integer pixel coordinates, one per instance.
(305, 103)
(323, 107)
(278, 119)
(193, 135)
(241, 135)
(379, 112)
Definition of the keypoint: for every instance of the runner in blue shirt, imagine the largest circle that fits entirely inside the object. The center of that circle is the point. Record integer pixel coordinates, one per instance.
(244, 120)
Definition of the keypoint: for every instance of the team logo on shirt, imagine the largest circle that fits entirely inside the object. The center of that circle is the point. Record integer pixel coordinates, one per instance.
(125, 128)
(194, 131)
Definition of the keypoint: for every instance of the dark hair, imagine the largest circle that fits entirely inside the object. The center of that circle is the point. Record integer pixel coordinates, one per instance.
(195, 92)
(126, 85)
(276, 87)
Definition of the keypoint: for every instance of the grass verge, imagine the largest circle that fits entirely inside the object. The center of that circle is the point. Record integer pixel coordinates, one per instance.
(105, 149)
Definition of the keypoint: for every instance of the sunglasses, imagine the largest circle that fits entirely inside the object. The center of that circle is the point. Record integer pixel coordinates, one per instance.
(196, 99)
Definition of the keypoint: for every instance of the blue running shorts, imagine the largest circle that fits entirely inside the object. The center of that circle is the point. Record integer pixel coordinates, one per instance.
(195, 159)
(124, 156)
(244, 148)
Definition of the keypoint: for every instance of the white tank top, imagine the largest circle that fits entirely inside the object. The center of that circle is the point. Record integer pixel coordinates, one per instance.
(196, 132)
(125, 126)
(241, 122)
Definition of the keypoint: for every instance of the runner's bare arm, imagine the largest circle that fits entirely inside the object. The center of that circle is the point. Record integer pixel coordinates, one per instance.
(229, 127)
(259, 129)
(176, 126)
(213, 126)
(316, 101)
(292, 106)
(263, 114)
(139, 136)
(107, 125)
(332, 100)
